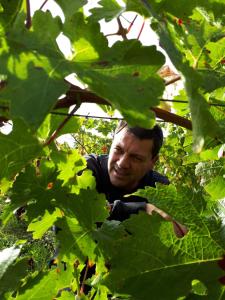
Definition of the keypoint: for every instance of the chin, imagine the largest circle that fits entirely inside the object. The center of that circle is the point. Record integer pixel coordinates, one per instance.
(117, 182)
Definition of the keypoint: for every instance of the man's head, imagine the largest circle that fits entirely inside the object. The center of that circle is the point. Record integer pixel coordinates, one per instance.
(134, 152)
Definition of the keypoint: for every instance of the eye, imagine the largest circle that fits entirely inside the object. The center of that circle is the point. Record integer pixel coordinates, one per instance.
(118, 150)
(138, 159)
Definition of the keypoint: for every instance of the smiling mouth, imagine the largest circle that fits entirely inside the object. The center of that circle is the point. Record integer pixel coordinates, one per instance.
(120, 173)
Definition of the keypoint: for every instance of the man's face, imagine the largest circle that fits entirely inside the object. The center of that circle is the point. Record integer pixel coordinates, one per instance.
(129, 160)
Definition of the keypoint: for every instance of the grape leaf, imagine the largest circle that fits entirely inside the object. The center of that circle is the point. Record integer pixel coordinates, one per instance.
(12, 277)
(9, 12)
(127, 67)
(172, 39)
(216, 188)
(7, 257)
(158, 261)
(17, 149)
(46, 285)
(70, 7)
(26, 70)
(109, 9)
(70, 166)
(89, 208)
(40, 225)
(74, 241)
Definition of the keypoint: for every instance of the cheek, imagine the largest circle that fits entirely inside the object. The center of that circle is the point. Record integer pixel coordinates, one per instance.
(111, 160)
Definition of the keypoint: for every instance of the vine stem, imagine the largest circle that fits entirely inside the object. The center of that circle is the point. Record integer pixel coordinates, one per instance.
(56, 132)
(28, 19)
(43, 4)
(78, 142)
(131, 24)
(140, 32)
(85, 275)
(178, 77)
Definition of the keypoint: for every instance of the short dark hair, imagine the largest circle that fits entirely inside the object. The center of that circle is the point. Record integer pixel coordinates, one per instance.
(155, 134)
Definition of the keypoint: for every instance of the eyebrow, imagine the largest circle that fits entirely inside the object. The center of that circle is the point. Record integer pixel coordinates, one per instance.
(134, 154)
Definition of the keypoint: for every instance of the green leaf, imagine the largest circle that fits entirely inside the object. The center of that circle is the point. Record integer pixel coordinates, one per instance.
(216, 188)
(11, 280)
(31, 76)
(33, 62)
(54, 119)
(32, 189)
(7, 257)
(158, 259)
(70, 6)
(129, 72)
(9, 11)
(87, 41)
(40, 225)
(209, 154)
(134, 5)
(75, 241)
(89, 208)
(203, 122)
(17, 149)
(46, 285)
(109, 9)
(71, 165)
(176, 42)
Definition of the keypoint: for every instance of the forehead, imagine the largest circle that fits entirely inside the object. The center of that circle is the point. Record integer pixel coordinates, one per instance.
(132, 144)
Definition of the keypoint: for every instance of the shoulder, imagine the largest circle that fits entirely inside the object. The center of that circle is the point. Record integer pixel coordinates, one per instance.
(157, 177)
(152, 177)
(96, 162)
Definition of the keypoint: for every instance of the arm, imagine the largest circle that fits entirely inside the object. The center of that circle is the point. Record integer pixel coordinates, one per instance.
(121, 211)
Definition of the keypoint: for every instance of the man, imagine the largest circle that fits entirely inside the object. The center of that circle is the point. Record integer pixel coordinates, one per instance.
(128, 167)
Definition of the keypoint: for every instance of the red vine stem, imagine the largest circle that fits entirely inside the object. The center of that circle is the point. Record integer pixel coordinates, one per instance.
(142, 27)
(131, 24)
(28, 19)
(56, 132)
(89, 97)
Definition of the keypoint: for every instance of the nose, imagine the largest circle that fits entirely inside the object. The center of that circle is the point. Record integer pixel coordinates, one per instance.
(123, 162)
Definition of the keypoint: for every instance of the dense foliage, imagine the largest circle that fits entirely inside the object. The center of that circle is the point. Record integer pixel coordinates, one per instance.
(140, 258)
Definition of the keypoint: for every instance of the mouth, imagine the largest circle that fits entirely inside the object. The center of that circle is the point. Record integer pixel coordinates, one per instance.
(120, 173)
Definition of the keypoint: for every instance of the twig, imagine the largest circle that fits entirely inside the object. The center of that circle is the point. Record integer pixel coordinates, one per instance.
(125, 18)
(86, 116)
(76, 264)
(131, 24)
(178, 77)
(43, 4)
(121, 31)
(78, 142)
(170, 117)
(142, 27)
(89, 97)
(84, 278)
(28, 19)
(55, 133)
